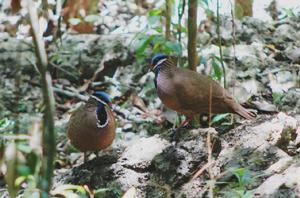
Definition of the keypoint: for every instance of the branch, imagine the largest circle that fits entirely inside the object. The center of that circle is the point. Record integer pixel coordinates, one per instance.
(70, 94)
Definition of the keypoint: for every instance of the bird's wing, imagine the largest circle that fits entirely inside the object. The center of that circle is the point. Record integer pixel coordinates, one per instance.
(194, 90)
(83, 119)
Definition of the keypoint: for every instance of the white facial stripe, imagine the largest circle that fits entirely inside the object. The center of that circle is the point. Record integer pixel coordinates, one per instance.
(158, 63)
(99, 100)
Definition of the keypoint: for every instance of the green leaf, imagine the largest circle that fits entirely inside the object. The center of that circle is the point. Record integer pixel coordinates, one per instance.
(102, 192)
(156, 46)
(67, 187)
(24, 148)
(155, 12)
(158, 29)
(219, 117)
(217, 70)
(277, 97)
(243, 175)
(20, 180)
(74, 21)
(158, 39)
(92, 18)
(174, 47)
(5, 123)
(143, 44)
(23, 170)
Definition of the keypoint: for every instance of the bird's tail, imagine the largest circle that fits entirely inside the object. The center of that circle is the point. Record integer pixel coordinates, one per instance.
(245, 113)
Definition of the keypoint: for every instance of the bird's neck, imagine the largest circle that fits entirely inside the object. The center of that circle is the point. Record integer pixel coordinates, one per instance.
(101, 114)
(165, 67)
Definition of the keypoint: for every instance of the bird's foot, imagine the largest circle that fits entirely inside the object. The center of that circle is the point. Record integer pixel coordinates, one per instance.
(175, 135)
(85, 157)
(97, 154)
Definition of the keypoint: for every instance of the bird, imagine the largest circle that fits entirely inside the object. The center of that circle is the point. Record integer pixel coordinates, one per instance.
(92, 126)
(191, 93)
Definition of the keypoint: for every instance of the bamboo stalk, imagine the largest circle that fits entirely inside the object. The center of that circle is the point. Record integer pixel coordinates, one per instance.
(168, 15)
(48, 99)
(220, 44)
(192, 34)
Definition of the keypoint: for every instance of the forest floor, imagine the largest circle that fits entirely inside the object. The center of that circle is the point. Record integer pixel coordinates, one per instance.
(233, 157)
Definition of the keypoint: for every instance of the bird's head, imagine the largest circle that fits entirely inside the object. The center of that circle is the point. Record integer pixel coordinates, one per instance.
(103, 96)
(157, 60)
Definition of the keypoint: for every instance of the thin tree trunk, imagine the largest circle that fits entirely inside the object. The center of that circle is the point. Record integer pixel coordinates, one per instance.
(192, 34)
(168, 18)
(48, 99)
(243, 8)
(181, 8)
(220, 43)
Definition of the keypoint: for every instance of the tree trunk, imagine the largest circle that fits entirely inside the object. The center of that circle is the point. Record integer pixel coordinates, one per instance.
(243, 8)
(192, 34)
(168, 15)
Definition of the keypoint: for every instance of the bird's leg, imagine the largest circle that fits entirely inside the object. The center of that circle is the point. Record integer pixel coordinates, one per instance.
(97, 154)
(84, 157)
(182, 124)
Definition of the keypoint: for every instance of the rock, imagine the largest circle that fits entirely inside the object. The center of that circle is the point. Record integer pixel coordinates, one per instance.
(253, 29)
(282, 81)
(285, 33)
(264, 106)
(279, 166)
(286, 180)
(203, 38)
(297, 140)
(293, 55)
(289, 101)
(11, 48)
(249, 56)
(139, 155)
(193, 189)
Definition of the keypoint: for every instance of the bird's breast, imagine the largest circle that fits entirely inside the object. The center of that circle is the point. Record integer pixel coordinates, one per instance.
(167, 92)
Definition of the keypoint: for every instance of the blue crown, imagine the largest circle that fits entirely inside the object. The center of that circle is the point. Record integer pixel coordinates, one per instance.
(157, 58)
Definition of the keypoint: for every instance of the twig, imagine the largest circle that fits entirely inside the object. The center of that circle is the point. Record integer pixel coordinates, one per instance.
(15, 137)
(70, 94)
(181, 8)
(233, 46)
(63, 70)
(209, 161)
(209, 147)
(200, 171)
(220, 44)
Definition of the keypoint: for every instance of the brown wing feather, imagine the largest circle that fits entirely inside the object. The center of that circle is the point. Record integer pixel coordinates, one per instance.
(193, 93)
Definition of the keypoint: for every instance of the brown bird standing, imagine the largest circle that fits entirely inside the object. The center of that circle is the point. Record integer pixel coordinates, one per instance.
(191, 93)
(92, 126)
